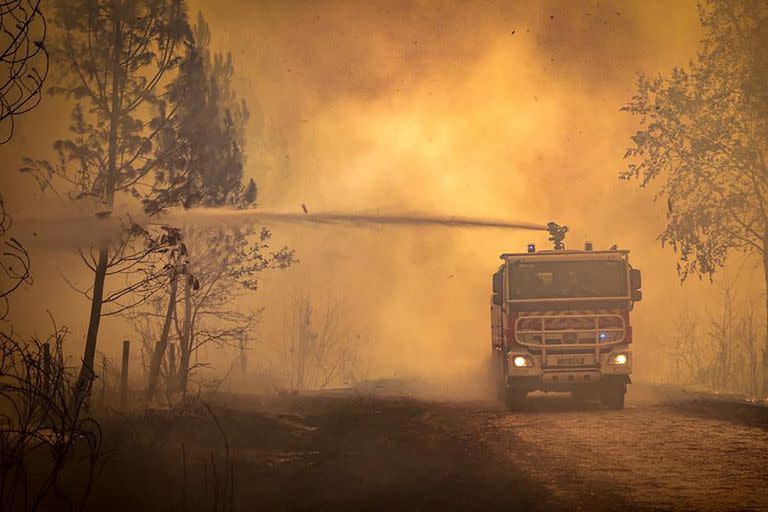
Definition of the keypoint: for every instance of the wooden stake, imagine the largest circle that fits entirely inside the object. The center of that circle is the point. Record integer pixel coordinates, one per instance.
(124, 374)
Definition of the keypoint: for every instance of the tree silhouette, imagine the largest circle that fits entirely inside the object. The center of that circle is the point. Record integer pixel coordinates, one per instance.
(208, 142)
(23, 69)
(117, 57)
(14, 262)
(704, 143)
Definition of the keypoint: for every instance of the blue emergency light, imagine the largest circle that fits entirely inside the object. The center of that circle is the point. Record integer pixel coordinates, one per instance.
(531, 247)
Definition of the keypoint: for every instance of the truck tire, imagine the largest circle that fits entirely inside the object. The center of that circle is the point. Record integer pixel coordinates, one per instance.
(515, 399)
(612, 394)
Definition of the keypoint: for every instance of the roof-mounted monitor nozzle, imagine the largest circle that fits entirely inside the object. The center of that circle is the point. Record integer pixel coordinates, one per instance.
(557, 235)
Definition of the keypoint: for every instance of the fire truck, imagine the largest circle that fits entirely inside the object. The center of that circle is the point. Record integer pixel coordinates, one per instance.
(560, 322)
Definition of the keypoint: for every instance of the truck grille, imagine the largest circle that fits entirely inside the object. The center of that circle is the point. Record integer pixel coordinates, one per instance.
(568, 351)
(570, 340)
(574, 330)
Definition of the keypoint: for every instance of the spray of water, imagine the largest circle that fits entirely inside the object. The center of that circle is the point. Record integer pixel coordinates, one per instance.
(79, 229)
(203, 216)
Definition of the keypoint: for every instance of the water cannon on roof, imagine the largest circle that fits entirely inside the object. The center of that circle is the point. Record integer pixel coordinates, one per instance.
(557, 235)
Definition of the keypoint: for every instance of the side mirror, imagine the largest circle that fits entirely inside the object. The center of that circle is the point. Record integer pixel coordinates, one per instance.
(636, 282)
(498, 288)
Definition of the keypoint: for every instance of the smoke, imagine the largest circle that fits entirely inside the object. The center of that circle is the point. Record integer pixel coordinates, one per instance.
(465, 112)
(486, 109)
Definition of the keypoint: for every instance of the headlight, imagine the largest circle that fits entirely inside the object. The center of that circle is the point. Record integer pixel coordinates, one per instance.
(619, 359)
(606, 336)
(522, 361)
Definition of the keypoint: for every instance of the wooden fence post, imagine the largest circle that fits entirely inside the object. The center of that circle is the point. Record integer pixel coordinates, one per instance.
(172, 374)
(124, 374)
(103, 381)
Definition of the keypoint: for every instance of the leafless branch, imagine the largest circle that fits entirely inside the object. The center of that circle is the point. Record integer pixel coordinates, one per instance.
(23, 61)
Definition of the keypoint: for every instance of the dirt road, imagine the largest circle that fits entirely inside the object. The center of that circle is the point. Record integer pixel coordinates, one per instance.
(352, 452)
(678, 455)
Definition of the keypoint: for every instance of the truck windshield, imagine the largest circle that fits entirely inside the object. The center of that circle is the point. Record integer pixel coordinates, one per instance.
(567, 279)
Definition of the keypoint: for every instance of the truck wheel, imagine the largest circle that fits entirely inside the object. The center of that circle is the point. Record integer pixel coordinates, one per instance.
(612, 395)
(516, 399)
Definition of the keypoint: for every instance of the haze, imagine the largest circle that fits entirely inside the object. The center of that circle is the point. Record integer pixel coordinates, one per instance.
(489, 109)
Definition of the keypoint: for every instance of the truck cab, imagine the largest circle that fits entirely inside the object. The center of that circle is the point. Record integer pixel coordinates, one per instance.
(560, 321)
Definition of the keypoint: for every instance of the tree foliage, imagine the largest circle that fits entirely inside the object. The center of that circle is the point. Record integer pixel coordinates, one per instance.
(118, 57)
(209, 140)
(704, 139)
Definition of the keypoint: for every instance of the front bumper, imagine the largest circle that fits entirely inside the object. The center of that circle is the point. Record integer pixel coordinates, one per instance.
(563, 372)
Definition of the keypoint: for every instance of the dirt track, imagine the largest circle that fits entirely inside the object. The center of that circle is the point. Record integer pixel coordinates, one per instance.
(361, 452)
(674, 456)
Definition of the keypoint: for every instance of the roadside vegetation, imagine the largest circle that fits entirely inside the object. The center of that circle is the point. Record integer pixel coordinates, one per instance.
(701, 150)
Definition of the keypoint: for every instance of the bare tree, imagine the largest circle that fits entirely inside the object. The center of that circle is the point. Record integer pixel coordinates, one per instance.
(317, 350)
(721, 332)
(299, 337)
(14, 262)
(221, 266)
(173, 268)
(687, 350)
(23, 61)
(334, 352)
(703, 142)
(748, 337)
(23, 70)
(213, 268)
(727, 355)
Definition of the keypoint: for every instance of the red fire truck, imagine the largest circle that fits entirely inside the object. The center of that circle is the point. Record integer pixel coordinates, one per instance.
(560, 322)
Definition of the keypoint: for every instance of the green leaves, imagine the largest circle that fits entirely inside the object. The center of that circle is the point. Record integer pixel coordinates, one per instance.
(209, 137)
(702, 141)
(118, 58)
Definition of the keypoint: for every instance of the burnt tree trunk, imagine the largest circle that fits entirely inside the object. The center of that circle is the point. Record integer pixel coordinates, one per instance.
(162, 343)
(186, 334)
(172, 373)
(85, 379)
(124, 374)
